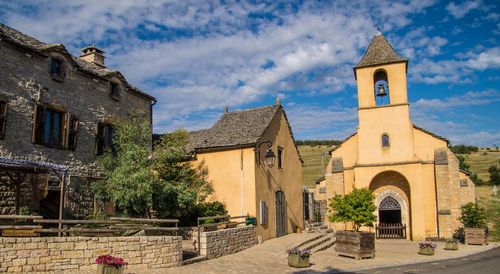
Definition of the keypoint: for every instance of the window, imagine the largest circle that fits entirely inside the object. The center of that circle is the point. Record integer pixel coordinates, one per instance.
(48, 127)
(73, 132)
(57, 69)
(104, 138)
(280, 157)
(385, 140)
(114, 91)
(3, 118)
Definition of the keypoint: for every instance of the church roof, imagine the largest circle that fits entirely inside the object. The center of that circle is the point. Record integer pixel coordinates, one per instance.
(379, 52)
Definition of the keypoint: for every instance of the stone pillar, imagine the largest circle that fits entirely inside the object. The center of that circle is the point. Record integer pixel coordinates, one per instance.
(445, 193)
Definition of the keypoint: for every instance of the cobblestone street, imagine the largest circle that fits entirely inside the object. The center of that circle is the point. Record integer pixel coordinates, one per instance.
(270, 257)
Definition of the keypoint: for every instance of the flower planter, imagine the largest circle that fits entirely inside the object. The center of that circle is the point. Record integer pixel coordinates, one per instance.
(426, 251)
(451, 245)
(476, 236)
(295, 260)
(355, 244)
(109, 269)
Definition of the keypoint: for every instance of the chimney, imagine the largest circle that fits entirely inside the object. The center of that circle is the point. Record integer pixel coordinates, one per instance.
(93, 55)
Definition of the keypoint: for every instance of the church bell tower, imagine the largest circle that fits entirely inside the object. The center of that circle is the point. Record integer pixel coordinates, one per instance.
(385, 129)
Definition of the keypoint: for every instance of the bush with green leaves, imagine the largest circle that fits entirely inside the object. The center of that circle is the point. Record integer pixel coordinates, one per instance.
(473, 215)
(357, 207)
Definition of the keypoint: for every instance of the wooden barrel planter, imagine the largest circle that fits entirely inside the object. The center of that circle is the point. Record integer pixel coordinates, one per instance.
(476, 236)
(109, 269)
(354, 244)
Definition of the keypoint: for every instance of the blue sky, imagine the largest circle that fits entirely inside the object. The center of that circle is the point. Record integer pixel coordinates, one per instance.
(197, 57)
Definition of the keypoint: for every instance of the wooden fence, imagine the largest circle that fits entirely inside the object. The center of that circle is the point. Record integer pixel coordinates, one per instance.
(390, 231)
(26, 225)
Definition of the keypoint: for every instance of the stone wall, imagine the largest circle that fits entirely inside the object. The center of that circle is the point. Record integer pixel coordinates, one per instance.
(25, 81)
(227, 241)
(74, 254)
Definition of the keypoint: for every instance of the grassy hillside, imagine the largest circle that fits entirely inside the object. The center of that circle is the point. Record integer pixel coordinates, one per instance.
(315, 160)
(480, 162)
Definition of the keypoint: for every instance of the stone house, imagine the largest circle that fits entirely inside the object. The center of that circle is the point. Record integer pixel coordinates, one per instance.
(56, 115)
(412, 172)
(234, 151)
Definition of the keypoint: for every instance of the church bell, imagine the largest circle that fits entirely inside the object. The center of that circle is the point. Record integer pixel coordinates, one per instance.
(381, 90)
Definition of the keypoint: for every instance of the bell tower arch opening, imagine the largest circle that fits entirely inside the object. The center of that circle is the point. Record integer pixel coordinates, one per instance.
(381, 87)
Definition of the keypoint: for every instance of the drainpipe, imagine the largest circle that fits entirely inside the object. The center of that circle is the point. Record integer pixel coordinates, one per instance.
(242, 180)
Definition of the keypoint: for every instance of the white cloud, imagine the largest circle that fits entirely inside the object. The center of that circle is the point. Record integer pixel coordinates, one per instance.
(460, 10)
(471, 98)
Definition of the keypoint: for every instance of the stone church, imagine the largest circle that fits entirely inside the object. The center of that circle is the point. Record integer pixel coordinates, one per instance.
(412, 172)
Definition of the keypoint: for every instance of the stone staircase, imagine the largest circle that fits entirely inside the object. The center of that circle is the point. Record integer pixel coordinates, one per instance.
(321, 242)
(317, 227)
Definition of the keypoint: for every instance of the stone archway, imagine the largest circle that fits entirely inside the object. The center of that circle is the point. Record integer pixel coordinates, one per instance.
(392, 198)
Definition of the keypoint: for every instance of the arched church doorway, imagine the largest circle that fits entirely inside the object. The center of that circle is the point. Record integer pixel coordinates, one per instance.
(389, 211)
(392, 198)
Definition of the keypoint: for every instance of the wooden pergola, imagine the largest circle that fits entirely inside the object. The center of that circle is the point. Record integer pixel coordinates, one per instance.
(17, 170)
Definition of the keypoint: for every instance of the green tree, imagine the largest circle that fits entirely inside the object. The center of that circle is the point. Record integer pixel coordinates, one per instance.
(462, 164)
(356, 207)
(128, 180)
(494, 175)
(140, 181)
(473, 215)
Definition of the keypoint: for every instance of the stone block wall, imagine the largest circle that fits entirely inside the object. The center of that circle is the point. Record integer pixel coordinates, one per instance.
(78, 254)
(227, 241)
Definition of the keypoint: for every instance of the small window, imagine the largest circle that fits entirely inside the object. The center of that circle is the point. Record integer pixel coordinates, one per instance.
(48, 127)
(104, 138)
(385, 140)
(280, 157)
(322, 189)
(114, 91)
(3, 118)
(57, 69)
(73, 132)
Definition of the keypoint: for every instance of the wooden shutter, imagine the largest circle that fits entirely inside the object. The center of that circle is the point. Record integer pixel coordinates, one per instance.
(3, 118)
(99, 139)
(74, 124)
(38, 124)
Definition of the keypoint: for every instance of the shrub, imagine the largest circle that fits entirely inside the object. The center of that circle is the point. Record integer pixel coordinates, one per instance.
(473, 215)
(356, 207)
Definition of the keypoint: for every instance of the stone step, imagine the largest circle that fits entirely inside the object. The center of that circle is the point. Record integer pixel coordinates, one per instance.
(324, 245)
(309, 240)
(326, 238)
(194, 260)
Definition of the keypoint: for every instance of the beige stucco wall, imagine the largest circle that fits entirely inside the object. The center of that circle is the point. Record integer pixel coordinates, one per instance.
(241, 184)
(232, 175)
(287, 179)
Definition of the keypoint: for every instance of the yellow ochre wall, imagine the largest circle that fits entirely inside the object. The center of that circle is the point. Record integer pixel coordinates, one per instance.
(287, 179)
(232, 174)
(236, 177)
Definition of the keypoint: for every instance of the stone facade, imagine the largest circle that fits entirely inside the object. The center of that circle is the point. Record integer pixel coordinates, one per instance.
(83, 91)
(75, 254)
(227, 241)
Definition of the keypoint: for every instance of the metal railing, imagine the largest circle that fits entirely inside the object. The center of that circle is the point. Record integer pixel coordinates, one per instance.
(390, 231)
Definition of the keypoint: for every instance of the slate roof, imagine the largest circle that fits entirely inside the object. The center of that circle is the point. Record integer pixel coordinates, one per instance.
(379, 52)
(22, 40)
(237, 129)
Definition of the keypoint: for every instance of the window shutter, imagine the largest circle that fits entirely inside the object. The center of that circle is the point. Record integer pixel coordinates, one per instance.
(100, 139)
(38, 124)
(3, 118)
(74, 124)
(263, 213)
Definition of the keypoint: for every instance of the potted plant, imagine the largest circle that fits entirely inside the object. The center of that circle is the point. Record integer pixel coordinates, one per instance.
(426, 248)
(356, 208)
(298, 258)
(474, 220)
(451, 244)
(107, 264)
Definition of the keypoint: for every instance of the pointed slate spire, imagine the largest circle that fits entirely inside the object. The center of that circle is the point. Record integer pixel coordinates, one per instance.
(379, 52)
